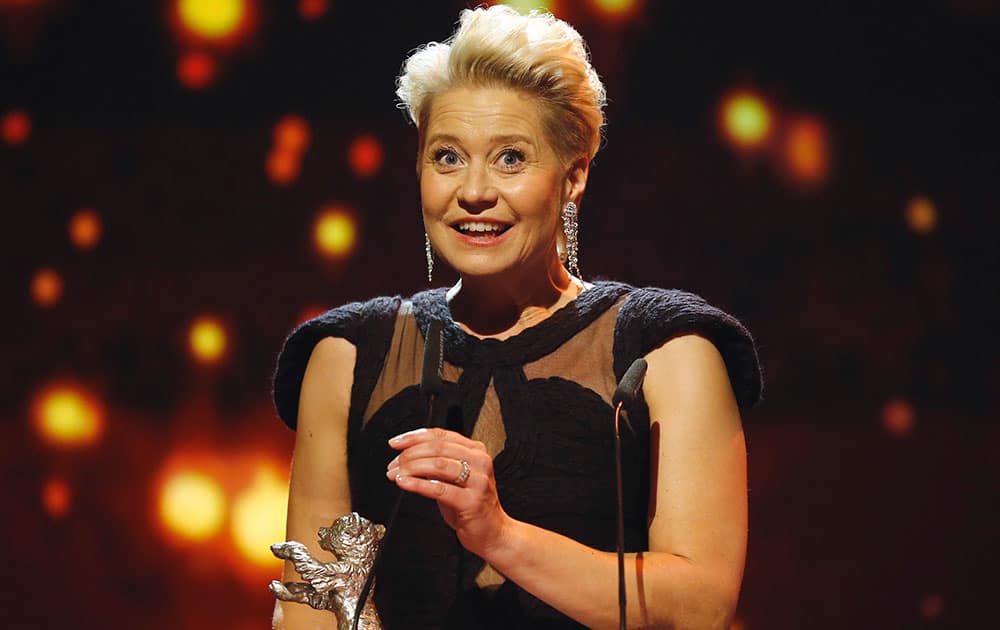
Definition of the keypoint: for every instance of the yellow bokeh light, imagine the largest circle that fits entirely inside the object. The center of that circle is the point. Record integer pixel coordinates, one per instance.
(746, 119)
(192, 505)
(67, 415)
(207, 340)
(258, 518)
(526, 6)
(616, 7)
(212, 19)
(335, 232)
(921, 215)
(85, 229)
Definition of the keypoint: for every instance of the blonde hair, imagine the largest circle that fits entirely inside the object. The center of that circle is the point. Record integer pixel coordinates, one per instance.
(537, 54)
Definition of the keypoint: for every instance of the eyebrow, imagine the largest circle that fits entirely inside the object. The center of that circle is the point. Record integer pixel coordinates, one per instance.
(510, 138)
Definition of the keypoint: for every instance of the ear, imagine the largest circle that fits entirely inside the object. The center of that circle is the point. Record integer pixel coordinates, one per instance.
(576, 179)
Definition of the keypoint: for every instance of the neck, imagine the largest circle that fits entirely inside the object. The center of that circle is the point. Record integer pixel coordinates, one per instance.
(500, 307)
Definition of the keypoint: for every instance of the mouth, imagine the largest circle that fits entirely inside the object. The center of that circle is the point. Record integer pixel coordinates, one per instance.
(481, 232)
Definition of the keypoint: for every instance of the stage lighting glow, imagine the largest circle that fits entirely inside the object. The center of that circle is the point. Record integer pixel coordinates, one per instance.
(366, 156)
(806, 150)
(526, 6)
(56, 497)
(898, 418)
(85, 229)
(207, 340)
(746, 119)
(921, 215)
(616, 8)
(292, 134)
(192, 505)
(335, 232)
(68, 415)
(258, 518)
(15, 127)
(46, 287)
(212, 19)
(196, 70)
(310, 312)
(313, 9)
(282, 167)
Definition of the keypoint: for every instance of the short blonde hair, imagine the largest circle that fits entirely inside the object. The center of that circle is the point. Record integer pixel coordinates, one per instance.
(537, 54)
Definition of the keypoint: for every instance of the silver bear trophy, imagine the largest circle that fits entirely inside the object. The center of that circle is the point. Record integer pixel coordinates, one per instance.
(334, 586)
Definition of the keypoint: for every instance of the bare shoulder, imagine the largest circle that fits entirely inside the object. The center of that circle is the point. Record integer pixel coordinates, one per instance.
(687, 370)
(326, 386)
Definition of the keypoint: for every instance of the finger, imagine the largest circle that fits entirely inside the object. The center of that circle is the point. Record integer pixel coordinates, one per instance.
(440, 449)
(442, 469)
(444, 493)
(417, 436)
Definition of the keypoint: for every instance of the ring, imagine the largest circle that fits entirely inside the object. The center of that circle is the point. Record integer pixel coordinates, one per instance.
(464, 475)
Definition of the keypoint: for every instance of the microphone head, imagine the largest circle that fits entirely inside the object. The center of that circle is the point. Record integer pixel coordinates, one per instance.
(628, 388)
(431, 382)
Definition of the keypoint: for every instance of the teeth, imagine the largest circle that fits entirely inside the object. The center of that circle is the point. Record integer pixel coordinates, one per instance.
(479, 226)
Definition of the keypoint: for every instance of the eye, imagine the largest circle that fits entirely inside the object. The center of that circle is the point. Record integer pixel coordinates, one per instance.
(511, 159)
(446, 157)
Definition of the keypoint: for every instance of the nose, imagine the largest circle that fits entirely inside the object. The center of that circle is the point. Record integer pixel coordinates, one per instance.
(477, 192)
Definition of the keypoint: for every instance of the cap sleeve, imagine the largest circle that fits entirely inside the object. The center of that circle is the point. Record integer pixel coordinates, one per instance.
(367, 325)
(651, 316)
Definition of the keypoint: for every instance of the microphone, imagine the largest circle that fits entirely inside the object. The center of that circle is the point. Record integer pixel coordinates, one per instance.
(625, 397)
(431, 384)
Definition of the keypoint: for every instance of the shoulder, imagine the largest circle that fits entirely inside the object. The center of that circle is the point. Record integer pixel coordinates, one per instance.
(361, 327)
(649, 317)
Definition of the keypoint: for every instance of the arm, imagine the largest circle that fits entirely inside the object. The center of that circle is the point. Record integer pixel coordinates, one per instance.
(319, 492)
(691, 576)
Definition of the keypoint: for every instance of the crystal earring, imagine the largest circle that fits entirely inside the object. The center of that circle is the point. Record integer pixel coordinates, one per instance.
(570, 228)
(430, 257)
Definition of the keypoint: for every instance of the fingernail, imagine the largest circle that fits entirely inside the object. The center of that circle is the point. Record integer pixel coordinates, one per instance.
(392, 473)
(393, 464)
(399, 438)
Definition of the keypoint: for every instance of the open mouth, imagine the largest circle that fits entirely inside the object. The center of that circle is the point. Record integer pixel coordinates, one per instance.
(482, 231)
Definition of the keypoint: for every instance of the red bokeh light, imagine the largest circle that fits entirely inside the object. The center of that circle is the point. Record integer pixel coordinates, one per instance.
(292, 134)
(898, 418)
(282, 167)
(46, 287)
(806, 150)
(15, 127)
(365, 156)
(313, 9)
(56, 497)
(196, 70)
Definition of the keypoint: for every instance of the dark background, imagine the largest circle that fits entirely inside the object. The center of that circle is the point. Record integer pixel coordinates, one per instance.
(854, 523)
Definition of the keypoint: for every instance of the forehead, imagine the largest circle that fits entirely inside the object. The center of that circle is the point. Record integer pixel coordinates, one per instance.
(475, 113)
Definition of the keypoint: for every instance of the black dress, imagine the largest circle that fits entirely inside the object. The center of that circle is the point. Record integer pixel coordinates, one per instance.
(540, 401)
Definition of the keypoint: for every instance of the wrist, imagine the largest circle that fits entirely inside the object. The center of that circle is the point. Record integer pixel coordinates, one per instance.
(504, 548)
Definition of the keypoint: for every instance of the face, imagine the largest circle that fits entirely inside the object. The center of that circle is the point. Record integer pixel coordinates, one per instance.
(491, 185)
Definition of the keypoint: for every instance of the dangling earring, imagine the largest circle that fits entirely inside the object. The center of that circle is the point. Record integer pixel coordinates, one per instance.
(430, 258)
(570, 228)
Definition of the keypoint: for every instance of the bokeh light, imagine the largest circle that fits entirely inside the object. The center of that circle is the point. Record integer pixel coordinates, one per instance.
(212, 19)
(931, 606)
(313, 9)
(292, 134)
(526, 6)
(196, 70)
(806, 150)
(192, 505)
(258, 517)
(366, 155)
(921, 215)
(310, 312)
(746, 119)
(66, 414)
(56, 497)
(15, 127)
(616, 9)
(207, 340)
(282, 167)
(85, 229)
(335, 232)
(898, 418)
(46, 287)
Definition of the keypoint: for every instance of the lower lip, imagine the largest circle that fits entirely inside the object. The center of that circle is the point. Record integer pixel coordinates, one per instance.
(481, 241)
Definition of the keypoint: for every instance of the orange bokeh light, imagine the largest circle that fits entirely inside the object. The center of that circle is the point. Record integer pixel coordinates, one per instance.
(196, 70)
(921, 215)
(56, 497)
(309, 313)
(806, 150)
(258, 517)
(746, 119)
(68, 415)
(15, 127)
(335, 232)
(617, 9)
(282, 167)
(313, 9)
(207, 340)
(46, 287)
(292, 134)
(365, 155)
(85, 229)
(898, 418)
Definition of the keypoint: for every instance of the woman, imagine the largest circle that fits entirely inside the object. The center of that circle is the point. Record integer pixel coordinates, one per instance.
(508, 518)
